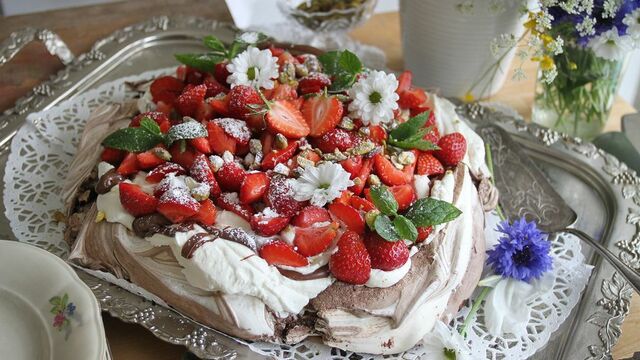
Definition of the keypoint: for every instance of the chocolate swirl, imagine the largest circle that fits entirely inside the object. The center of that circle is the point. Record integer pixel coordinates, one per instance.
(110, 179)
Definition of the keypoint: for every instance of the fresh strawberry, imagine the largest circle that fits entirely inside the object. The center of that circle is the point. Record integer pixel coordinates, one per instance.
(266, 139)
(207, 213)
(361, 180)
(182, 158)
(177, 205)
(313, 83)
(423, 233)
(349, 216)
(166, 89)
(148, 160)
(405, 195)
(279, 196)
(352, 165)
(310, 215)
(159, 117)
(268, 225)
(344, 198)
(282, 92)
(129, 165)
(236, 129)
(388, 173)
(362, 204)
(220, 72)
(204, 112)
(377, 134)
(337, 138)
(453, 147)
(112, 156)
(275, 51)
(386, 255)
(214, 87)
(136, 201)
(417, 110)
(191, 97)
(219, 106)
(219, 141)
(433, 136)
(230, 176)
(284, 118)
(193, 76)
(163, 170)
(312, 241)
(322, 114)
(241, 98)
(404, 81)
(427, 164)
(275, 157)
(181, 72)
(286, 57)
(351, 263)
(201, 144)
(230, 202)
(164, 108)
(253, 187)
(201, 171)
(278, 252)
(412, 97)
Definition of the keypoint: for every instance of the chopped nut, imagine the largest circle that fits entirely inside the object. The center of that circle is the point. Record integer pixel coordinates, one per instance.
(281, 169)
(301, 70)
(216, 162)
(370, 217)
(227, 156)
(161, 153)
(304, 162)
(312, 63)
(257, 161)
(374, 180)
(190, 182)
(249, 159)
(281, 141)
(364, 131)
(100, 216)
(58, 216)
(396, 163)
(406, 158)
(255, 146)
(346, 123)
(201, 191)
(363, 147)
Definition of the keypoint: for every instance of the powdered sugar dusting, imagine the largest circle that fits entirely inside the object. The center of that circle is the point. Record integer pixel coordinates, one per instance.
(235, 128)
(230, 197)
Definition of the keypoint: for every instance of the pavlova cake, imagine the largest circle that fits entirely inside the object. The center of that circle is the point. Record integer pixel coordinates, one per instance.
(276, 194)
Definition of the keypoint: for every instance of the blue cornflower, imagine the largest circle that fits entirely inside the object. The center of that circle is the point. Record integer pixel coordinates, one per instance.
(71, 308)
(522, 252)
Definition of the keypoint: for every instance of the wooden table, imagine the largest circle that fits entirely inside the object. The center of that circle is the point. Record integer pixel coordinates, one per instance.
(81, 27)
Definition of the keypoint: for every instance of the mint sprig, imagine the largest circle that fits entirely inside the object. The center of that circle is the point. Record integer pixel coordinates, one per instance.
(429, 212)
(343, 67)
(218, 52)
(410, 134)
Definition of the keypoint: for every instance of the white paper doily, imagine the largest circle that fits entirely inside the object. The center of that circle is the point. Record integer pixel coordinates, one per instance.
(44, 147)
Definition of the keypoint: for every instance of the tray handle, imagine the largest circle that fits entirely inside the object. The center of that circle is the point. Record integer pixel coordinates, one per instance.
(19, 39)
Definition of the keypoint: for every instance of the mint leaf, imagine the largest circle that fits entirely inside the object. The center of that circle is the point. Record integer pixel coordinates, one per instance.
(215, 44)
(132, 139)
(349, 62)
(429, 212)
(149, 125)
(342, 66)
(384, 227)
(410, 134)
(384, 200)
(202, 62)
(410, 127)
(405, 228)
(330, 62)
(186, 130)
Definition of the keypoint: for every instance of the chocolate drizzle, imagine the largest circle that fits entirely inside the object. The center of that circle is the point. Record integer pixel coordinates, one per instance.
(319, 273)
(110, 179)
(239, 236)
(195, 242)
(148, 225)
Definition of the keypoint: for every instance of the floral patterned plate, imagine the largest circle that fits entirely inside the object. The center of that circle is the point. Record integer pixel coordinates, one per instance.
(46, 311)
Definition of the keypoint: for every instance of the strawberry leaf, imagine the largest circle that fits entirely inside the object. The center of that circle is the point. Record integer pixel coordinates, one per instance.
(430, 211)
(384, 227)
(405, 228)
(384, 200)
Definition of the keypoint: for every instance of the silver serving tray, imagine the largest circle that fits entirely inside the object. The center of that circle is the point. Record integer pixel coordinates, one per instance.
(603, 192)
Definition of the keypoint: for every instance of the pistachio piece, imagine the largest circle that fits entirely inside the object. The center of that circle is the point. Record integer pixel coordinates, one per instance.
(346, 123)
(281, 141)
(373, 180)
(255, 146)
(100, 216)
(161, 153)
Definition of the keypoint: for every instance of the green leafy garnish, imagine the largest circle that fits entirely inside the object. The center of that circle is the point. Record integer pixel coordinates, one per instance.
(136, 139)
(383, 199)
(405, 228)
(218, 52)
(343, 67)
(410, 134)
(429, 212)
(385, 228)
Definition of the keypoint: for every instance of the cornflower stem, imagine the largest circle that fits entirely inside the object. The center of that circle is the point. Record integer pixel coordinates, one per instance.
(474, 309)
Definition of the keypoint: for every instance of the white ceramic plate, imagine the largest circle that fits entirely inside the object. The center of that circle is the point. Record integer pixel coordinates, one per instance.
(46, 311)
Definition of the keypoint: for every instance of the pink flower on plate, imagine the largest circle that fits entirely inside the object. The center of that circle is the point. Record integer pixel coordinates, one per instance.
(58, 320)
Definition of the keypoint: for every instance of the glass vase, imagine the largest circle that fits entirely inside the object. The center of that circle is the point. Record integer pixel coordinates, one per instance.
(578, 101)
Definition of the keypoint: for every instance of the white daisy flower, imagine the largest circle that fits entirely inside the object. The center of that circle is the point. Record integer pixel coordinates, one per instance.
(610, 45)
(250, 37)
(253, 67)
(374, 98)
(632, 20)
(445, 343)
(321, 184)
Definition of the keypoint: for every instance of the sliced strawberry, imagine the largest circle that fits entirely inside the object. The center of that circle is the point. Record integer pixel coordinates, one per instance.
(236, 129)
(286, 57)
(163, 170)
(275, 157)
(362, 204)
(322, 114)
(312, 241)
(377, 134)
(388, 173)
(284, 118)
(214, 87)
(230, 202)
(253, 187)
(181, 72)
(241, 99)
(166, 89)
(220, 72)
(423, 233)
(275, 51)
(351, 263)
(207, 213)
(405, 195)
(283, 92)
(182, 158)
(266, 139)
(386, 255)
(148, 160)
(129, 165)
(177, 205)
(349, 216)
(136, 201)
(404, 81)
(361, 180)
(279, 196)
(164, 108)
(427, 164)
(219, 141)
(412, 97)
(191, 97)
(280, 253)
(453, 147)
(230, 176)
(159, 117)
(334, 139)
(204, 112)
(344, 198)
(417, 110)
(311, 215)
(112, 156)
(220, 106)
(201, 171)
(267, 225)
(352, 165)
(313, 83)
(201, 144)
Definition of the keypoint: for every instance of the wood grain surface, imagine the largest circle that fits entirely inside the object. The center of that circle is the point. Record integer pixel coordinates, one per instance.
(81, 27)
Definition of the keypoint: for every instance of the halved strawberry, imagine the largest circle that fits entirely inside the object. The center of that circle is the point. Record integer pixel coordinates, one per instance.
(417, 110)
(349, 216)
(313, 83)
(386, 255)
(136, 201)
(284, 118)
(266, 139)
(423, 233)
(236, 129)
(275, 157)
(282, 92)
(207, 213)
(310, 215)
(230, 176)
(159, 117)
(191, 97)
(361, 180)
(214, 87)
(344, 198)
(219, 106)
(129, 165)
(322, 114)
(412, 97)
(351, 263)
(204, 112)
(112, 156)
(377, 134)
(201, 171)
(312, 241)
(219, 141)
(388, 173)
(164, 107)
(166, 89)
(362, 204)
(352, 165)
(230, 202)
(278, 252)
(148, 160)
(405, 195)
(177, 205)
(241, 98)
(279, 196)
(404, 81)
(221, 73)
(268, 226)
(275, 51)
(157, 174)
(253, 187)
(201, 144)
(182, 158)
(427, 164)
(336, 138)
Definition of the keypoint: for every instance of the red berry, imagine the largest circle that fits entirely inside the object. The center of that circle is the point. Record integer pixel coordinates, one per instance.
(362, 204)
(311, 215)
(284, 118)
(230, 202)
(241, 97)
(207, 213)
(268, 225)
(388, 172)
(166, 89)
(219, 106)
(163, 170)
(282, 92)
(312, 241)
(182, 158)
(129, 165)
(275, 157)
(136, 201)
(412, 97)
(427, 164)
(337, 138)
(230, 176)
(201, 171)
(201, 144)
(236, 129)
(159, 117)
(177, 205)
(377, 133)
(453, 147)
(112, 156)
(280, 253)
(279, 196)
(361, 179)
(322, 113)
(423, 233)
(351, 263)
(214, 87)
(253, 187)
(191, 97)
(219, 141)
(352, 165)
(148, 160)
(405, 195)
(313, 83)
(349, 216)
(404, 81)
(386, 255)
(221, 73)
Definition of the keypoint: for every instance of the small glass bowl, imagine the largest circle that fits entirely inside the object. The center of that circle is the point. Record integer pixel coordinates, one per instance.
(328, 15)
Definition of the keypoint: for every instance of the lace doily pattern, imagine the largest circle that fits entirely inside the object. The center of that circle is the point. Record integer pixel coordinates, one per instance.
(44, 147)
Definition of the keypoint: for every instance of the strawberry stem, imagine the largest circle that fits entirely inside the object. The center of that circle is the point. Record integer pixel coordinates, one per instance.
(264, 99)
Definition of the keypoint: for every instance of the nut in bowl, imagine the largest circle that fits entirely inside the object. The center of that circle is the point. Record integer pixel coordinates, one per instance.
(328, 15)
